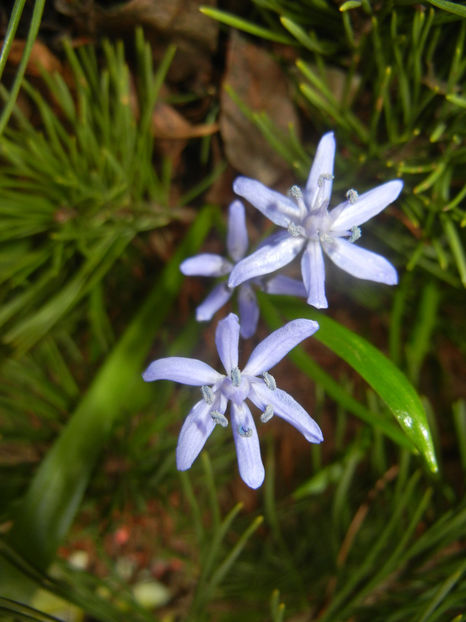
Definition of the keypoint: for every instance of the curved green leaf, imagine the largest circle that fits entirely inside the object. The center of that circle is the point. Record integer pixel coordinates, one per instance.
(387, 380)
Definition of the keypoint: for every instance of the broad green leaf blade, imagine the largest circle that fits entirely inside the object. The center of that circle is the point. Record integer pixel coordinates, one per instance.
(45, 514)
(333, 388)
(451, 7)
(387, 380)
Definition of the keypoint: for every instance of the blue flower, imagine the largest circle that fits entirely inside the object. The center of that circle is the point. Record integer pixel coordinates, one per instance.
(253, 383)
(210, 264)
(311, 228)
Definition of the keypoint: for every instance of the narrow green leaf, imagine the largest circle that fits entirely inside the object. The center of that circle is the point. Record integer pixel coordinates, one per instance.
(456, 247)
(350, 4)
(420, 342)
(13, 24)
(241, 24)
(222, 570)
(31, 37)
(378, 371)
(440, 594)
(459, 419)
(311, 43)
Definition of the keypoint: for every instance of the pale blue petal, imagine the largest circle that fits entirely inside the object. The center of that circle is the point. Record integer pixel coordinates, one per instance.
(285, 285)
(360, 262)
(219, 296)
(277, 345)
(365, 206)
(206, 264)
(248, 310)
(237, 237)
(226, 340)
(248, 450)
(266, 259)
(287, 408)
(313, 271)
(181, 369)
(319, 183)
(196, 429)
(275, 206)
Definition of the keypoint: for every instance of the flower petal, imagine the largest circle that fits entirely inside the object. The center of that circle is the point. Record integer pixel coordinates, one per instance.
(268, 258)
(275, 206)
(248, 311)
(287, 408)
(226, 340)
(319, 183)
(282, 284)
(277, 345)
(313, 271)
(366, 206)
(360, 262)
(237, 236)
(219, 296)
(181, 369)
(205, 264)
(196, 429)
(248, 450)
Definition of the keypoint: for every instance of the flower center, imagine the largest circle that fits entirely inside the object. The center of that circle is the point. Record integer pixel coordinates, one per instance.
(236, 387)
(316, 226)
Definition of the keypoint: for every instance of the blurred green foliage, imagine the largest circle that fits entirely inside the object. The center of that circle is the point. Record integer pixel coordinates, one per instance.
(75, 191)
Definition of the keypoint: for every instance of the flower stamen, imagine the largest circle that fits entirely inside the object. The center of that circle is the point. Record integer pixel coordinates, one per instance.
(355, 234)
(323, 178)
(244, 431)
(296, 231)
(219, 418)
(269, 381)
(207, 394)
(267, 414)
(235, 376)
(352, 196)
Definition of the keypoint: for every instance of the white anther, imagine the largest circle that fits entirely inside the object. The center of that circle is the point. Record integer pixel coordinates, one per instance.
(355, 234)
(269, 381)
(235, 376)
(267, 414)
(295, 192)
(352, 195)
(219, 418)
(207, 394)
(244, 431)
(296, 231)
(324, 177)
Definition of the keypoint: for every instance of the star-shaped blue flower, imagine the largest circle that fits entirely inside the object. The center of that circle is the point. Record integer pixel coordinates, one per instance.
(311, 228)
(253, 383)
(210, 264)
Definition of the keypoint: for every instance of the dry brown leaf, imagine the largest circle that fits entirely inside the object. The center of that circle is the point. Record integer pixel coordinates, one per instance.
(169, 124)
(41, 57)
(175, 21)
(259, 82)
